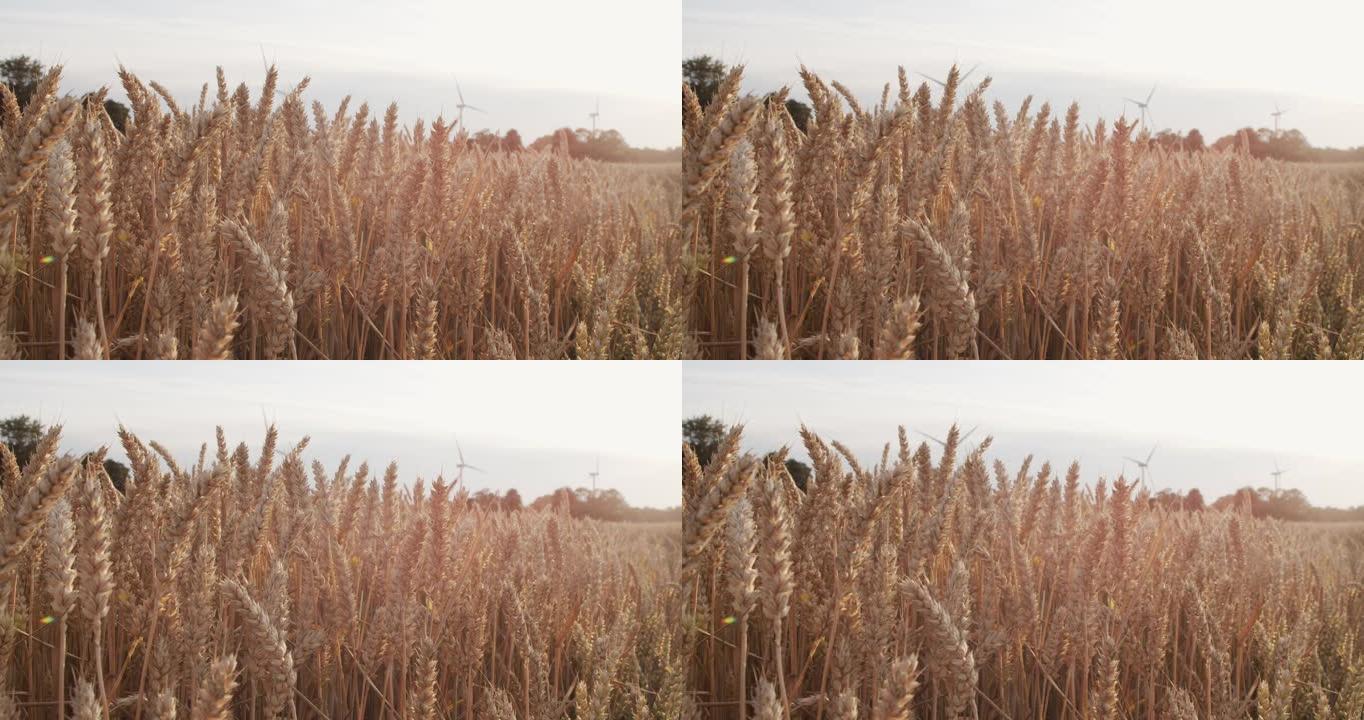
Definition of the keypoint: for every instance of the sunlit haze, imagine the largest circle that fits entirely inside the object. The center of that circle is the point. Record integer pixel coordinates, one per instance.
(533, 426)
(1217, 426)
(533, 65)
(1219, 64)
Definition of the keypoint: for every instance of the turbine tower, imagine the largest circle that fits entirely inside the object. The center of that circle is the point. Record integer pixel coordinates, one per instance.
(1144, 465)
(594, 115)
(1145, 107)
(462, 106)
(462, 465)
(595, 474)
(1278, 471)
(1278, 113)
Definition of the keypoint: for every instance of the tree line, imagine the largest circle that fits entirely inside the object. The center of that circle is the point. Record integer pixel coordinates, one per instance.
(20, 434)
(705, 73)
(22, 75)
(705, 433)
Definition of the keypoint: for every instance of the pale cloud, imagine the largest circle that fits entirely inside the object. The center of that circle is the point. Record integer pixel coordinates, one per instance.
(1220, 64)
(1219, 425)
(534, 65)
(535, 426)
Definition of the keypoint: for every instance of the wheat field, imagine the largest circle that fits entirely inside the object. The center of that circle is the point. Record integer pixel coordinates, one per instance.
(943, 227)
(938, 585)
(262, 228)
(252, 586)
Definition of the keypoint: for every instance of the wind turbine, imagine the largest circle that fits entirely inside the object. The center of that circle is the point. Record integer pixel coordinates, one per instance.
(1144, 465)
(1277, 472)
(596, 474)
(1145, 107)
(594, 116)
(462, 106)
(462, 465)
(960, 81)
(1278, 113)
(960, 440)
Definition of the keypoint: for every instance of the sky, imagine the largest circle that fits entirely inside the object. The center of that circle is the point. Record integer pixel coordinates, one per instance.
(1218, 65)
(534, 426)
(1217, 426)
(533, 65)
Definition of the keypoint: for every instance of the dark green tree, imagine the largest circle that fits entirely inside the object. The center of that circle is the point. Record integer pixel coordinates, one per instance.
(22, 74)
(1287, 504)
(561, 498)
(118, 114)
(511, 502)
(1167, 499)
(564, 139)
(21, 434)
(1193, 502)
(1194, 142)
(485, 499)
(1168, 139)
(118, 473)
(608, 145)
(601, 504)
(486, 139)
(800, 472)
(800, 113)
(704, 74)
(704, 434)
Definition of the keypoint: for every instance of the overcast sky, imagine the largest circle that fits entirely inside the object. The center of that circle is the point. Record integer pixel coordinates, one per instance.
(1220, 64)
(534, 65)
(534, 426)
(1218, 425)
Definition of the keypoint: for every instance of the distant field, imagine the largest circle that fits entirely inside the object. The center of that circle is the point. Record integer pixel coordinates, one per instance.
(1356, 168)
(1337, 526)
(1341, 168)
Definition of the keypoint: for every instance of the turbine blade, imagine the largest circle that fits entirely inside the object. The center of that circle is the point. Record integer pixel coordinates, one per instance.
(1152, 94)
(479, 469)
(1151, 454)
(930, 437)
